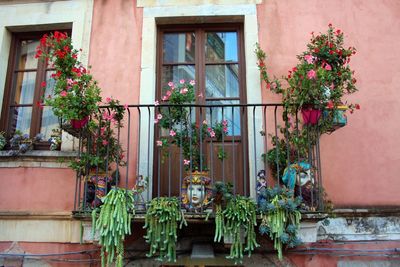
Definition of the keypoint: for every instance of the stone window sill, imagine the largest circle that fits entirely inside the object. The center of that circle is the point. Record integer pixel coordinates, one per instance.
(37, 159)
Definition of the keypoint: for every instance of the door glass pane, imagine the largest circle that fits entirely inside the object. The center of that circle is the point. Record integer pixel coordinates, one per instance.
(20, 119)
(24, 87)
(221, 47)
(49, 120)
(26, 58)
(231, 114)
(222, 81)
(176, 73)
(178, 47)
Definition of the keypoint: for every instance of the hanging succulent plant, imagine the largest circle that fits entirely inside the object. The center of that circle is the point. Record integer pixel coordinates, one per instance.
(280, 217)
(162, 218)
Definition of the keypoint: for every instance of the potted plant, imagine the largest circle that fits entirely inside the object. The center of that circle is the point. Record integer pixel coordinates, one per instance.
(3, 140)
(21, 143)
(76, 94)
(280, 217)
(113, 224)
(320, 80)
(163, 217)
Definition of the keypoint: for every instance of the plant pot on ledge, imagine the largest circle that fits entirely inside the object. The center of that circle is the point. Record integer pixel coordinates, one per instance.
(310, 115)
(339, 118)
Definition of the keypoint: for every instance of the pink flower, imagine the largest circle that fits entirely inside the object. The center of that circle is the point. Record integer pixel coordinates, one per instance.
(156, 103)
(159, 143)
(126, 106)
(212, 134)
(105, 142)
(224, 122)
(63, 93)
(165, 98)
(225, 129)
(205, 122)
(70, 81)
(184, 91)
(311, 74)
(168, 93)
(171, 84)
(155, 121)
(192, 82)
(108, 99)
(159, 116)
(328, 67)
(182, 81)
(309, 58)
(172, 133)
(186, 162)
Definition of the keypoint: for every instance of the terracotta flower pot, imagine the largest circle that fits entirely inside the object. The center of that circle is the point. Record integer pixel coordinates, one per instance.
(311, 116)
(79, 124)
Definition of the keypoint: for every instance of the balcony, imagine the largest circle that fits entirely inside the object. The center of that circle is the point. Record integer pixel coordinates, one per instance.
(256, 147)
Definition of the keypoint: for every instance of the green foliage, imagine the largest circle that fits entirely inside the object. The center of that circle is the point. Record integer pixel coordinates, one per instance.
(113, 224)
(240, 215)
(76, 94)
(161, 221)
(179, 124)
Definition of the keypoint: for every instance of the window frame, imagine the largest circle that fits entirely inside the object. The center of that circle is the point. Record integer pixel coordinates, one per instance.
(200, 77)
(199, 62)
(9, 90)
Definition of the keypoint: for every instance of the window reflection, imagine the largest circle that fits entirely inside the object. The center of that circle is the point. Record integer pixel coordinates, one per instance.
(222, 81)
(221, 47)
(178, 47)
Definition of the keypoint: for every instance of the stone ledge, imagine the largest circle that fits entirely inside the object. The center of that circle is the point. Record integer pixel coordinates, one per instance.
(28, 215)
(37, 159)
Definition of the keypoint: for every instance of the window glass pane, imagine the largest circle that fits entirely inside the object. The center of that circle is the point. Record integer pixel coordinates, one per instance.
(231, 114)
(178, 47)
(49, 120)
(21, 119)
(221, 46)
(26, 59)
(222, 81)
(176, 73)
(24, 87)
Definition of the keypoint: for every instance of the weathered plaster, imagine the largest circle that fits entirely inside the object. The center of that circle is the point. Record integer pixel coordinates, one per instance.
(67, 231)
(360, 229)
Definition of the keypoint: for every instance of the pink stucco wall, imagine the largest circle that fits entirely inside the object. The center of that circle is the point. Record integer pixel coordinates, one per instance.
(37, 189)
(115, 50)
(361, 162)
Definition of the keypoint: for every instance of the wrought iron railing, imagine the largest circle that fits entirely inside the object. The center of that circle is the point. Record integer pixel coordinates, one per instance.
(257, 148)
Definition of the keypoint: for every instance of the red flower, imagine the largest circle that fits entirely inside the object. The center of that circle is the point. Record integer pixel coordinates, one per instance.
(43, 84)
(59, 36)
(294, 69)
(43, 40)
(330, 25)
(330, 104)
(39, 104)
(38, 53)
(357, 106)
(338, 32)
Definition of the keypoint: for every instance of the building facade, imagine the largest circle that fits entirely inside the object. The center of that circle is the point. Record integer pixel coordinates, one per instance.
(134, 49)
